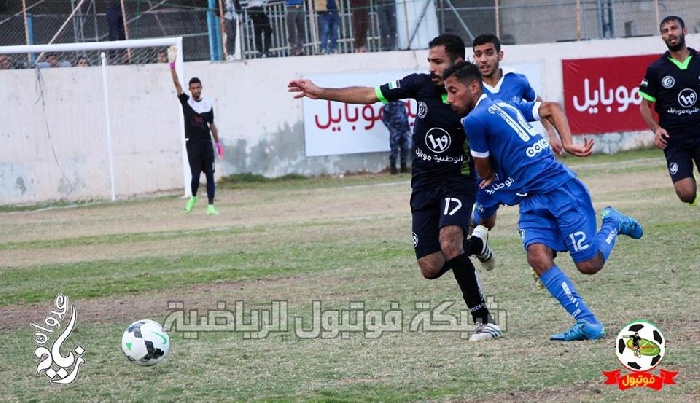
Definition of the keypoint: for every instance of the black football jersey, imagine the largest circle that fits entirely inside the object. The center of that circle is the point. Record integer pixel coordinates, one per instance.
(674, 88)
(439, 143)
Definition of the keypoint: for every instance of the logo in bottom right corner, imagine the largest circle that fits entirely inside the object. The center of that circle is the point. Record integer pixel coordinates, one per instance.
(640, 347)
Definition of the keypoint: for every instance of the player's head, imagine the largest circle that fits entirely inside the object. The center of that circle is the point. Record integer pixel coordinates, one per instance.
(195, 87)
(443, 51)
(487, 54)
(463, 85)
(673, 32)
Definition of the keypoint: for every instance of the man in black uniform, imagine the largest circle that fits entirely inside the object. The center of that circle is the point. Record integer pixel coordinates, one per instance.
(672, 83)
(443, 182)
(199, 121)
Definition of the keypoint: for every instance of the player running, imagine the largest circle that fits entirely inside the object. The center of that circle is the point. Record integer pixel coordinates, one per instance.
(556, 211)
(672, 84)
(443, 182)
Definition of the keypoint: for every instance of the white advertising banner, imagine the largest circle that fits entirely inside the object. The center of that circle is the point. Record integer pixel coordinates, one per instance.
(335, 128)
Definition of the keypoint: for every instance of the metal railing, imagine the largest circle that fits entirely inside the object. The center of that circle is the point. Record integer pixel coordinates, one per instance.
(515, 21)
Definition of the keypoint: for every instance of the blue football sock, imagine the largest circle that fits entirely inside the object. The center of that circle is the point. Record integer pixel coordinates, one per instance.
(563, 290)
(605, 240)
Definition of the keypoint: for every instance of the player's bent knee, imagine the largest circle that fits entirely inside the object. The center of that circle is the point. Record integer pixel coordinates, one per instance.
(431, 266)
(687, 197)
(430, 272)
(539, 260)
(589, 267)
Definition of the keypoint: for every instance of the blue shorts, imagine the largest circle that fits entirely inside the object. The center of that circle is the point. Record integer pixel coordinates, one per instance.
(563, 219)
(484, 207)
(447, 203)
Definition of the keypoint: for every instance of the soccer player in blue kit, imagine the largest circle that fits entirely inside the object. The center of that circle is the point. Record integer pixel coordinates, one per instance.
(443, 181)
(556, 211)
(506, 85)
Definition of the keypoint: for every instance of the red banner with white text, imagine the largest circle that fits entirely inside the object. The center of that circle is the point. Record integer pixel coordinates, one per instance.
(601, 95)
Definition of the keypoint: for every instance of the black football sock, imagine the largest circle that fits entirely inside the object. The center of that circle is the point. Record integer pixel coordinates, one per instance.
(465, 274)
(473, 245)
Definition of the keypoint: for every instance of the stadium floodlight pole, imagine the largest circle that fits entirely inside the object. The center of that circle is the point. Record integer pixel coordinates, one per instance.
(134, 43)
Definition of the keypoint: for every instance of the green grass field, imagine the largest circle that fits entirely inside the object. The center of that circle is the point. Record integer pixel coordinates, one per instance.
(337, 242)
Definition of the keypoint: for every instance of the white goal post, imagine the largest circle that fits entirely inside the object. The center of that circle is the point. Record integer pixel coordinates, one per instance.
(90, 48)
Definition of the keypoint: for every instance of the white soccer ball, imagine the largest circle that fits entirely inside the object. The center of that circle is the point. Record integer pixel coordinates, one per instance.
(640, 346)
(145, 342)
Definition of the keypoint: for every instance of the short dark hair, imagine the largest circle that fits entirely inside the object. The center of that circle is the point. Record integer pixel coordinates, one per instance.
(464, 71)
(195, 80)
(454, 45)
(672, 18)
(483, 39)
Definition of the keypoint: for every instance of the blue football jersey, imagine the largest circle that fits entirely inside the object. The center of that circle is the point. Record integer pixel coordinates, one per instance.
(502, 131)
(511, 87)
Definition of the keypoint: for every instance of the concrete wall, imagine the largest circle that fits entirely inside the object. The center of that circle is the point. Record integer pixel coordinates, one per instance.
(54, 141)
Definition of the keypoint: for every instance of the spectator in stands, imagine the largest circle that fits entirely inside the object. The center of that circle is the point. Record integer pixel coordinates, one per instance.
(117, 32)
(232, 10)
(82, 61)
(5, 62)
(328, 21)
(261, 27)
(296, 29)
(51, 60)
(386, 16)
(360, 23)
(116, 22)
(162, 56)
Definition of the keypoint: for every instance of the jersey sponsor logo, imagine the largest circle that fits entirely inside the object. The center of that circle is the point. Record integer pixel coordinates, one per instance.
(422, 110)
(394, 85)
(500, 185)
(668, 81)
(438, 140)
(687, 97)
(539, 146)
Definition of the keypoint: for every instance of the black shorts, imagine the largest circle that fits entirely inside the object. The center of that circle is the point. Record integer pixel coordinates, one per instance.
(200, 155)
(682, 149)
(447, 203)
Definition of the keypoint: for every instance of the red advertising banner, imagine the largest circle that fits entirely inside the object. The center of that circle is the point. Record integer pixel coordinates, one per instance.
(602, 95)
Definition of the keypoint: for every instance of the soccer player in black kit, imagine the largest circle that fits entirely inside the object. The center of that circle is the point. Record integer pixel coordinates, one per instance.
(443, 177)
(199, 122)
(672, 83)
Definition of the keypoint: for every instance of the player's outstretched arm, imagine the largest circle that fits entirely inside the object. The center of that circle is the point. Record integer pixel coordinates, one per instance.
(553, 112)
(554, 140)
(350, 95)
(172, 58)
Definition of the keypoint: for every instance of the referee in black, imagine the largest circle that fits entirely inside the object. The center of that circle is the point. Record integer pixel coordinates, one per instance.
(199, 130)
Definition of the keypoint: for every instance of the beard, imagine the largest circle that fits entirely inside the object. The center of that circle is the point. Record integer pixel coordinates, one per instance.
(678, 46)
